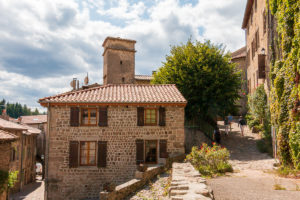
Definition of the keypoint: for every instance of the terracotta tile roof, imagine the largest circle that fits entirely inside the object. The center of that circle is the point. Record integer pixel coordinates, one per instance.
(117, 38)
(6, 136)
(239, 53)
(34, 119)
(247, 13)
(122, 93)
(31, 130)
(11, 125)
(143, 77)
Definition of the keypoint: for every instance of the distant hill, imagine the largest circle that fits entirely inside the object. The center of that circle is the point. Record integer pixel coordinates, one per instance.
(16, 110)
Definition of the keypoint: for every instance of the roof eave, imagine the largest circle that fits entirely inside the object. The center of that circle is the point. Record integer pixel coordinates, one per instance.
(247, 13)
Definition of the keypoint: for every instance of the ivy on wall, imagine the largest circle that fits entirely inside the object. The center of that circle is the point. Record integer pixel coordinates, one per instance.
(284, 77)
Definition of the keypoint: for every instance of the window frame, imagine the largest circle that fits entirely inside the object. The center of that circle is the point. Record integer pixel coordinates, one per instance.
(88, 150)
(145, 115)
(89, 116)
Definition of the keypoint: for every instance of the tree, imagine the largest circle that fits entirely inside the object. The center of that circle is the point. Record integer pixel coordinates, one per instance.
(205, 76)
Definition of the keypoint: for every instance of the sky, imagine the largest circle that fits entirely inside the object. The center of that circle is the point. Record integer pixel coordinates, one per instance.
(44, 44)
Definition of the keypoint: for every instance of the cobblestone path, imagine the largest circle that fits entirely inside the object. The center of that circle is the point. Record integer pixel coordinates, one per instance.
(32, 191)
(253, 178)
(153, 191)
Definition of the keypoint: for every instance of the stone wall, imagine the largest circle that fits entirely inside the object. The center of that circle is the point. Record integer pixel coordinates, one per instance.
(187, 183)
(194, 137)
(121, 133)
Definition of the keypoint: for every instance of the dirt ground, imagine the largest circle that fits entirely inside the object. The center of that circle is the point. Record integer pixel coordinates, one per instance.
(253, 176)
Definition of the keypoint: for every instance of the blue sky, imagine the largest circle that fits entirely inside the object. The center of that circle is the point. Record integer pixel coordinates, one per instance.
(44, 44)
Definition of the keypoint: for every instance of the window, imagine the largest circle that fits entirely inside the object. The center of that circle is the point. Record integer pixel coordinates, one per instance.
(89, 116)
(150, 116)
(88, 153)
(123, 80)
(121, 62)
(257, 40)
(13, 154)
(265, 21)
(255, 5)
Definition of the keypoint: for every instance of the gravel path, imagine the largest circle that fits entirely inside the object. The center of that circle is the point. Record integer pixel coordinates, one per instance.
(153, 191)
(253, 178)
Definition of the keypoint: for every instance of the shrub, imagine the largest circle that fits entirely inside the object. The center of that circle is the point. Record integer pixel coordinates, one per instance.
(210, 161)
(3, 180)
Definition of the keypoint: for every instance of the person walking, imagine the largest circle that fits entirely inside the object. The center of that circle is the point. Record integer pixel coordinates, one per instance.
(226, 124)
(241, 124)
(217, 135)
(230, 119)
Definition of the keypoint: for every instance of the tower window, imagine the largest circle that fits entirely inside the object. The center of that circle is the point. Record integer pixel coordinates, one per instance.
(121, 62)
(123, 80)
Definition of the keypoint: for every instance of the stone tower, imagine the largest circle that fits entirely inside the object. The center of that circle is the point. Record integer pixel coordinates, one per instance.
(118, 61)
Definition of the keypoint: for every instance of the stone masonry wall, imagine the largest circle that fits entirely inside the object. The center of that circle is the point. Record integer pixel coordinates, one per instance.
(121, 133)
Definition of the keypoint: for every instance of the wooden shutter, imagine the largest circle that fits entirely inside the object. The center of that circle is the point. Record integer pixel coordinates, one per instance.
(162, 116)
(102, 116)
(102, 153)
(139, 151)
(140, 116)
(163, 149)
(261, 66)
(73, 154)
(74, 116)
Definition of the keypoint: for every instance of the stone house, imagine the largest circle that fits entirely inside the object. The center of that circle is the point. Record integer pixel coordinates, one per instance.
(239, 57)
(6, 140)
(255, 24)
(23, 152)
(101, 134)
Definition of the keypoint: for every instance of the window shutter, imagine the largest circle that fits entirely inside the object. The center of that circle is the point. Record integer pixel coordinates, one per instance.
(162, 116)
(73, 154)
(102, 153)
(140, 116)
(163, 149)
(74, 116)
(261, 66)
(102, 116)
(139, 151)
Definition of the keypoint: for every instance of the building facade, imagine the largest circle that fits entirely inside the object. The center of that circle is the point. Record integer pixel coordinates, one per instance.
(239, 57)
(255, 24)
(100, 134)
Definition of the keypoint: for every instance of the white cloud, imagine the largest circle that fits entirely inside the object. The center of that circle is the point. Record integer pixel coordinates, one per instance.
(44, 44)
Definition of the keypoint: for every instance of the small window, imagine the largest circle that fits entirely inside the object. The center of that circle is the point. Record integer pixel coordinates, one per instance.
(13, 154)
(150, 116)
(87, 153)
(121, 62)
(123, 80)
(89, 116)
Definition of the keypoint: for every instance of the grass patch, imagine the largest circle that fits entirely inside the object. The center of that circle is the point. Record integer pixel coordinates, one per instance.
(278, 187)
(287, 171)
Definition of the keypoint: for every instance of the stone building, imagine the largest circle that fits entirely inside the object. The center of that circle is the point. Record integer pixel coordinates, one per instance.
(255, 24)
(6, 140)
(101, 134)
(23, 152)
(239, 57)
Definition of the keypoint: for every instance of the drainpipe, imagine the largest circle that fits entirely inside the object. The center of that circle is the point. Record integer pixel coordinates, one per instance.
(46, 156)
(21, 172)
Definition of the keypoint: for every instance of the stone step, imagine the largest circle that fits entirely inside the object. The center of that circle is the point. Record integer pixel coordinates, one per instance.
(178, 192)
(179, 187)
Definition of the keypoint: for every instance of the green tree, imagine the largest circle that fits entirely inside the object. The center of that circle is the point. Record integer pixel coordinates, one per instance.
(205, 76)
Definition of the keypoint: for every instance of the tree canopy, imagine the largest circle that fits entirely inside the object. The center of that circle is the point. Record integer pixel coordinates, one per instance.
(16, 110)
(204, 74)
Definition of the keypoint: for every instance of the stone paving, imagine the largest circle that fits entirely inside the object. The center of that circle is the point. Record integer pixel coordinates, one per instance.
(253, 176)
(32, 191)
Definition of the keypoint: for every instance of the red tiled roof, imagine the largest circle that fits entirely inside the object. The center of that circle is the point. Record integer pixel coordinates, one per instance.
(4, 135)
(247, 13)
(239, 53)
(123, 93)
(143, 77)
(34, 119)
(11, 125)
(31, 130)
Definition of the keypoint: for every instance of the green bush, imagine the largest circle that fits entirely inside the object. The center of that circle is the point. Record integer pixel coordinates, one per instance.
(3, 180)
(210, 161)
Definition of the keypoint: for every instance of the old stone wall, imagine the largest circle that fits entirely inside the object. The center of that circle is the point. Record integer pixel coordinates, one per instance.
(194, 137)
(5, 148)
(120, 134)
